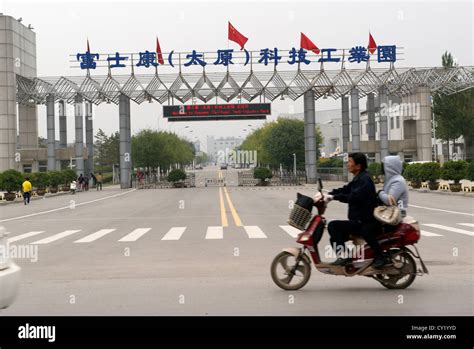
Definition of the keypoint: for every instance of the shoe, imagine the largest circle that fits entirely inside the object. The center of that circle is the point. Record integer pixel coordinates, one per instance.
(379, 262)
(342, 261)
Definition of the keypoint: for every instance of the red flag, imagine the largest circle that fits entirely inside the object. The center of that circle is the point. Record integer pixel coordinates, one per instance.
(235, 36)
(307, 44)
(158, 52)
(372, 45)
(88, 47)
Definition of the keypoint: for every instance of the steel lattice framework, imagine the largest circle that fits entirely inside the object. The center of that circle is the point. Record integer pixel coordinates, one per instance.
(226, 86)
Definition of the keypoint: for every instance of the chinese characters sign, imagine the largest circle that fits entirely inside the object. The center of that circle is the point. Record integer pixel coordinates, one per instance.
(225, 57)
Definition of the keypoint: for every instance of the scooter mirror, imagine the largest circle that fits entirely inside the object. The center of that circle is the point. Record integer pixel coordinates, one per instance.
(320, 184)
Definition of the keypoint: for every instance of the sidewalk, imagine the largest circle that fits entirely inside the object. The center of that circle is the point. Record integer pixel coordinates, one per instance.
(60, 193)
(337, 184)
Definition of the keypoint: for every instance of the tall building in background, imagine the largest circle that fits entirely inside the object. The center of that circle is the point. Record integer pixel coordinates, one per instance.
(17, 57)
(215, 145)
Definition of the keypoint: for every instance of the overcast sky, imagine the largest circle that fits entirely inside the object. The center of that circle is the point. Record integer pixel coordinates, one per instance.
(424, 29)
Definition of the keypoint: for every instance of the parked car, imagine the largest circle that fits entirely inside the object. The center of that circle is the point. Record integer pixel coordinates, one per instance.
(224, 167)
(9, 273)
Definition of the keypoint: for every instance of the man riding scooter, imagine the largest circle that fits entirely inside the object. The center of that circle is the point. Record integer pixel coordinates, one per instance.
(361, 197)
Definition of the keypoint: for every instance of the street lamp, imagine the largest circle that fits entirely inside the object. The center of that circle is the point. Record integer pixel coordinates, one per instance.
(294, 164)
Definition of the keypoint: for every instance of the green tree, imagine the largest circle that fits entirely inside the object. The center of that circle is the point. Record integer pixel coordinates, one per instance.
(164, 149)
(255, 142)
(107, 149)
(202, 159)
(454, 116)
(277, 141)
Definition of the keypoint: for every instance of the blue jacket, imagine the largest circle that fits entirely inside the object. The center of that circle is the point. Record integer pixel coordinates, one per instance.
(360, 195)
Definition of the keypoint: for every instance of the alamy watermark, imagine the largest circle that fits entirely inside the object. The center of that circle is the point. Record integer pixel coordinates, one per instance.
(228, 156)
(404, 109)
(348, 251)
(8, 251)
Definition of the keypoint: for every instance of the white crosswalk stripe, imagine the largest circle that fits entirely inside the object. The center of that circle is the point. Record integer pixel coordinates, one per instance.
(174, 233)
(292, 231)
(55, 237)
(455, 230)
(471, 225)
(427, 233)
(135, 235)
(214, 233)
(254, 232)
(95, 236)
(24, 236)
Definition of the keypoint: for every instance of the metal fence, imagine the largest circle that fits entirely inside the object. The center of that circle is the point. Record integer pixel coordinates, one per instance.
(155, 181)
(331, 173)
(279, 178)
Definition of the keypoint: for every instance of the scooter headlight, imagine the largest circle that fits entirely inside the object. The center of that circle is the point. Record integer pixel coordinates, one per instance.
(304, 238)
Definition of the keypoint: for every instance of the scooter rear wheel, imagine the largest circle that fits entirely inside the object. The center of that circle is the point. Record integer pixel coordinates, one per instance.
(407, 266)
(284, 273)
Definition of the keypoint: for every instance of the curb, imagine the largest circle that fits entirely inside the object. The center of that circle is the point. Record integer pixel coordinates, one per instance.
(461, 193)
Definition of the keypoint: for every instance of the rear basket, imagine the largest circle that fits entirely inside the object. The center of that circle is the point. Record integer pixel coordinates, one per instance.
(299, 217)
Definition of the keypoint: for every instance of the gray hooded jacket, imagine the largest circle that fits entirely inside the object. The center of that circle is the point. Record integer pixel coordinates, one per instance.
(394, 183)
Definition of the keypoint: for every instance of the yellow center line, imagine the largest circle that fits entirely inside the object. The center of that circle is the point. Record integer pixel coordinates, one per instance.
(224, 220)
(236, 217)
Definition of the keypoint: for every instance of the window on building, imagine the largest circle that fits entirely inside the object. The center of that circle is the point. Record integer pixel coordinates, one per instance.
(367, 128)
(391, 123)
(398, 121)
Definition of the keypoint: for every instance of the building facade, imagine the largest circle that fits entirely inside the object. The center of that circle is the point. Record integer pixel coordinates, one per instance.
(216, 146)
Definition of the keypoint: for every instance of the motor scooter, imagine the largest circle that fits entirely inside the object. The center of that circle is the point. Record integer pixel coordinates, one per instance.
(291, 269)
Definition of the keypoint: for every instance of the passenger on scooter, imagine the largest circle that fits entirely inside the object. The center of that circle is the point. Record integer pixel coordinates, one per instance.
(394, 183)
(362, 199)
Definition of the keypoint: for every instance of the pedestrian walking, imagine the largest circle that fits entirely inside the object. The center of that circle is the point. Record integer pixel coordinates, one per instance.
(26, 187)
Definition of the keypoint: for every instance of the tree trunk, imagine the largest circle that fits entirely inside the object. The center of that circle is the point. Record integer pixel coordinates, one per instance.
(455, 153)
(448, 151)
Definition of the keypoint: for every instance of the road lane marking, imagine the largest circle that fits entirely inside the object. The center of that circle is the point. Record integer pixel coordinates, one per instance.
(236, 217)
(24, 236)
(224, 221)
(65, 207)
(254, 232)
(471, 225)
(135, 235)
(437, 209)
(455, 230)
(95, 236)
(214, 233)
(55, 237)
(292, 231)
(427, 233)
(174, 233)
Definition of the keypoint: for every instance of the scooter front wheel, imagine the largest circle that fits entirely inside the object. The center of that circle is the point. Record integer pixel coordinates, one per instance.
(289, 272)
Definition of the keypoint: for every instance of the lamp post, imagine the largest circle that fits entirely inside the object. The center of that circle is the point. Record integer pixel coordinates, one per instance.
(294, 164)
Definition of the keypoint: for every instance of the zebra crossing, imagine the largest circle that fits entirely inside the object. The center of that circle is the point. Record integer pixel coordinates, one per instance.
(212, 233)
(455, 230)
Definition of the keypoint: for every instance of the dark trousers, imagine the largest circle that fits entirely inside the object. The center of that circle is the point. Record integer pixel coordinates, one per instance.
(98, 185)
(339, 232)
(26, 197)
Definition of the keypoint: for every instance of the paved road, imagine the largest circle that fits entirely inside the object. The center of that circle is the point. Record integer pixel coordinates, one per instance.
(207, 251)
